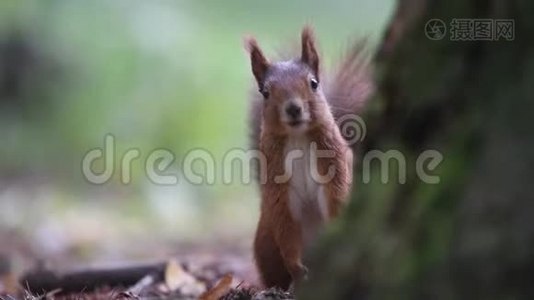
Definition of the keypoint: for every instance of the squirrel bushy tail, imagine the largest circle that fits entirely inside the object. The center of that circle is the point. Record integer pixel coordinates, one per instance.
(350, 85)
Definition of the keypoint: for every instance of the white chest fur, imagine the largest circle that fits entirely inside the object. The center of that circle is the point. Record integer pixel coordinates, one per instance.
(307, 198)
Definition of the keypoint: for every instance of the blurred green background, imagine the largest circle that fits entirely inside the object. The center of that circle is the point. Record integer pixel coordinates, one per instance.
(154, 74)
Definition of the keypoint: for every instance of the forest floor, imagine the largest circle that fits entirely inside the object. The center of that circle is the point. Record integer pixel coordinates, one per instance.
(224, 274)
(94, 255)
(189, 278)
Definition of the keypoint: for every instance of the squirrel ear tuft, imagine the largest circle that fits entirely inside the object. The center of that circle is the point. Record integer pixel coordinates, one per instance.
(259, 63)
(309, 53)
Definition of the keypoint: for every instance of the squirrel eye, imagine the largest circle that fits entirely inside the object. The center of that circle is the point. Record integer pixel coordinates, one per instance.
(314, 84)
(265, 93)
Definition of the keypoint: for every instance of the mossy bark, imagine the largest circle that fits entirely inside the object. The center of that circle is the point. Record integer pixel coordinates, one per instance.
(472, 234)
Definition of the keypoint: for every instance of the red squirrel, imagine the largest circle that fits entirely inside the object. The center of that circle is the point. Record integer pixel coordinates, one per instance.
(308, 163)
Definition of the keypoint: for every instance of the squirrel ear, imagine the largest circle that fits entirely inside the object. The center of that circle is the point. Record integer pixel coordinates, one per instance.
(309, 53)
(259, 63)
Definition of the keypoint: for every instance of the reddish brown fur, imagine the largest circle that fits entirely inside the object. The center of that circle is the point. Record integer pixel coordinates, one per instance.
(278, 245)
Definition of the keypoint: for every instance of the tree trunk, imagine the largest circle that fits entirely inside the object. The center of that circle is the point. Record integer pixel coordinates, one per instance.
(471, 235)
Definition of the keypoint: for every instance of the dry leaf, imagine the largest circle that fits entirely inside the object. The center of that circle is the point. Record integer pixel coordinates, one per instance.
(175, 275)
(222, 287)
(177, 278)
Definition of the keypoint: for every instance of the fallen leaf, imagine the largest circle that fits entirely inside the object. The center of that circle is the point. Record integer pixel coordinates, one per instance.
(177, 278)
(222, 287)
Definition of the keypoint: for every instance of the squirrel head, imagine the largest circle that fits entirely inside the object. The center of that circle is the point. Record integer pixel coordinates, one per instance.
(292, 93)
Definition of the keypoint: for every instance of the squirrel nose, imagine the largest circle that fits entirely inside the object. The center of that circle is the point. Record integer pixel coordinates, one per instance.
(293, 111)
